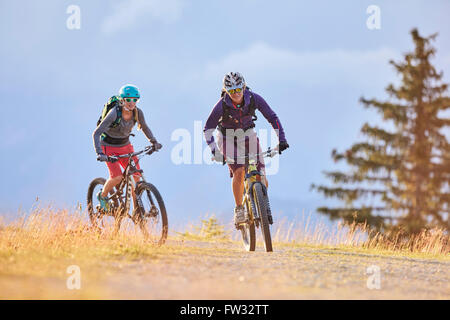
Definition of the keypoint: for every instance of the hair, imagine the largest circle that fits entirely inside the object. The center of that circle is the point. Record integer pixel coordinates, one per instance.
(136, 117)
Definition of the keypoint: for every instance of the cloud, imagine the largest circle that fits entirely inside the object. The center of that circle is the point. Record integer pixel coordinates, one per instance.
(128, 13)
(337, 66)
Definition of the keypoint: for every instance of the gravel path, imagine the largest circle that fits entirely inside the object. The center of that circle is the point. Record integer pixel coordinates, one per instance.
(224, 271)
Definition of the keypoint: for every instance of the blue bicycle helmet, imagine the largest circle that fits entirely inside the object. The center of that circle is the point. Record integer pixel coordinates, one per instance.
(129, 91)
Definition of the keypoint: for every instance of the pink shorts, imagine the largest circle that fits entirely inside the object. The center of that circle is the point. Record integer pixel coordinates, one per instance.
(114, 168)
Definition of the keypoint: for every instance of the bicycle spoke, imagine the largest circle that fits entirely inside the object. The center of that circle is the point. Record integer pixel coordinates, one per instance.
(153, 216)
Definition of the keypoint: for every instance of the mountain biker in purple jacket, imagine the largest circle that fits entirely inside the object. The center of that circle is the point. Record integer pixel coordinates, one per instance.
(235, 110)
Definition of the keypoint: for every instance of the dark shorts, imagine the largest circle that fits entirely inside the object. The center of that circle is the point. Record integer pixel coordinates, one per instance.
(241, 148)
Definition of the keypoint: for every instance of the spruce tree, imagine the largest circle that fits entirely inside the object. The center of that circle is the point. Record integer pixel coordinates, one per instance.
(406, 170)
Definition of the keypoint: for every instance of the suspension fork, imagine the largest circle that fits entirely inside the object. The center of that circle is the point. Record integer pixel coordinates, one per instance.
(138, 197)
(252, 200)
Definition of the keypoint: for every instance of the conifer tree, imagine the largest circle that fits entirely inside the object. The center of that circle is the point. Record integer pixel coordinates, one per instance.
(405, 170)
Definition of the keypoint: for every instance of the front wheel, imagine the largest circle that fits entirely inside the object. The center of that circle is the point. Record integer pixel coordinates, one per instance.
(261, 200)
(152, 217)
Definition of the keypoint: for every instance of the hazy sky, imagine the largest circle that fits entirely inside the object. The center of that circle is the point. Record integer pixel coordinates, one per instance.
(310, 60)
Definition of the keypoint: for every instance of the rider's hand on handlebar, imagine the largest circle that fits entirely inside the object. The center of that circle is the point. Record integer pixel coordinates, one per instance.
(102, 157)
(156, 145)
(217, 156)
(282, 146)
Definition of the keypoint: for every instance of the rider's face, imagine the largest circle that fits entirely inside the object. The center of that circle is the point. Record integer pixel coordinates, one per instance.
(130, 103)
(236, 97)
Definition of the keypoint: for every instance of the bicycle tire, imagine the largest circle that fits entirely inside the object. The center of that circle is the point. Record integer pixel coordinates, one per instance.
(248, 234)
(261, 201)
(95, 216)
(143, 222)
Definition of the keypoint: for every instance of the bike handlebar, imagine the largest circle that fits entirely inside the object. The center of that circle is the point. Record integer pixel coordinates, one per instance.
(148, 150)
(268, 153)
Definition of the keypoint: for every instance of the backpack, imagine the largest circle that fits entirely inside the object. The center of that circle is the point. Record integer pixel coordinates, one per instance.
(114, 102)
(226, 112)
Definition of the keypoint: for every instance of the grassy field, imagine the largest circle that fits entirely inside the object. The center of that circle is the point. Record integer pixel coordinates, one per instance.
(207, 261)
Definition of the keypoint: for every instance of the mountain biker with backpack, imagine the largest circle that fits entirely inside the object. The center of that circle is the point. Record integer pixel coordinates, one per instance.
(111, 137)
(236, 110)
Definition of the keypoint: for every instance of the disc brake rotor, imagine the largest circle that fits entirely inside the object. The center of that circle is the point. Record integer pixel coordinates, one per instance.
(153, 213)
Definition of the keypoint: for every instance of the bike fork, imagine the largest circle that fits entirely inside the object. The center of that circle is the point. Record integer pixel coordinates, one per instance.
(269, 212)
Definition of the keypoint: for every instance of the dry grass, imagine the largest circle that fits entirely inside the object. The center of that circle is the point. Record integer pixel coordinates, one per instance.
(36, 249)
(46, 236)
(429, 243)
(68, 233)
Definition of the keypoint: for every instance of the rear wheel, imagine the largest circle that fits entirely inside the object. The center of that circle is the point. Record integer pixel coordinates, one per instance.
(152, 217)
(261, 200)
(248, 236)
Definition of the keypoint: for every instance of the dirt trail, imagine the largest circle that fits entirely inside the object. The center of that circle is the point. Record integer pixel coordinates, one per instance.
(225, 271)
(204, 270)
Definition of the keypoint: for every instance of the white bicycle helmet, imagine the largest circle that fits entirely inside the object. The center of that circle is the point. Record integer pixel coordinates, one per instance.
(233, 80)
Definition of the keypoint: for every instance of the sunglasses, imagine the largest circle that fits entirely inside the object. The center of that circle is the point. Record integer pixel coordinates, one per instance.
(237, 90)
(131, 99)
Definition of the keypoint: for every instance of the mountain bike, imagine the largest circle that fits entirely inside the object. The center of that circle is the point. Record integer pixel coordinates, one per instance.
(149, 212)
(255, 202)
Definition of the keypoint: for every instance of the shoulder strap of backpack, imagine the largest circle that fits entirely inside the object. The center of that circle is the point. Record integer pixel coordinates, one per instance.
(252, 107)
(225, 112)
(119, 114)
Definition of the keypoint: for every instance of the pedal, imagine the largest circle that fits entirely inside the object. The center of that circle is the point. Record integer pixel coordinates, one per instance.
(240, 224)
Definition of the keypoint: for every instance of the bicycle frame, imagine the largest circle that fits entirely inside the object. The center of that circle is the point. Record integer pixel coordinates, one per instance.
(252, 177)
(128, 177)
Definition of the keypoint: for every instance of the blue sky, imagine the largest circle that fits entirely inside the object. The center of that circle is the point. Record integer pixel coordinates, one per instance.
(310, 60)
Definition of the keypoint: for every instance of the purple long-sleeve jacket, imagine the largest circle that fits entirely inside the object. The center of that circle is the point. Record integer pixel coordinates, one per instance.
(240, 117)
